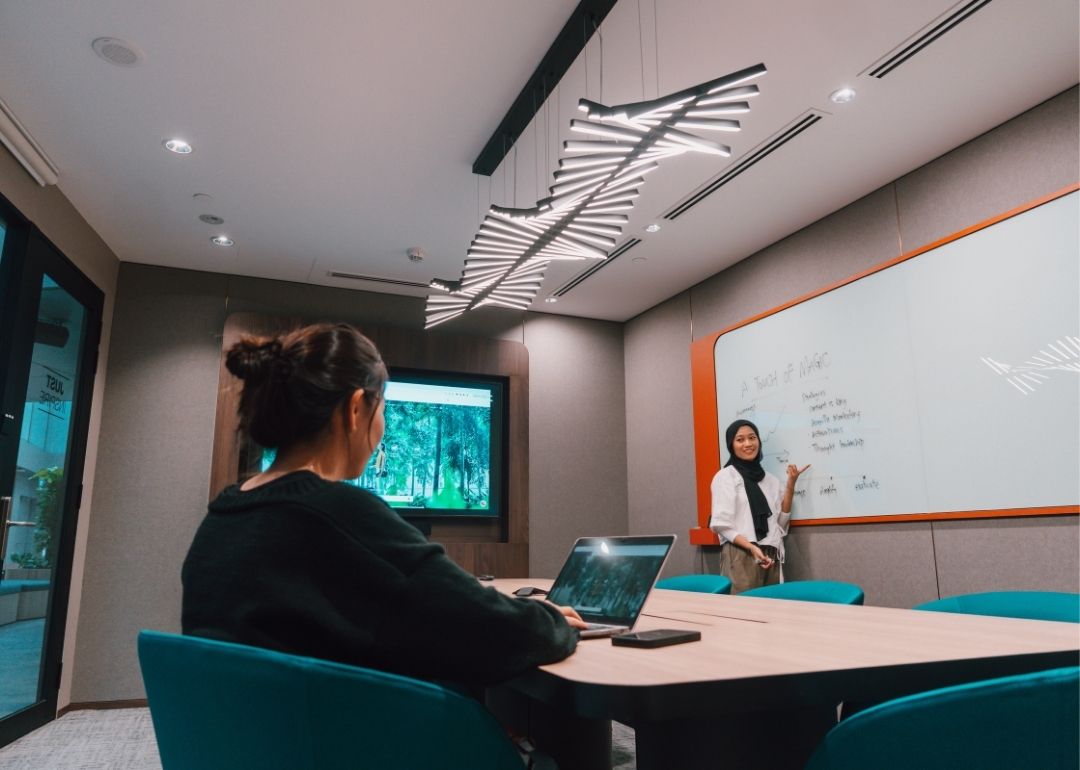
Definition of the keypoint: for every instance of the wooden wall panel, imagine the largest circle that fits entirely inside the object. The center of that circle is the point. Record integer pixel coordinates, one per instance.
(479, 546)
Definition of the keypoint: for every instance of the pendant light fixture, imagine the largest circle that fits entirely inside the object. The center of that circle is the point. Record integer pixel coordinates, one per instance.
(598, 179)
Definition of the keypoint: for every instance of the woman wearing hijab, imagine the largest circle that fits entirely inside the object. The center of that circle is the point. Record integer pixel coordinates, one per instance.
(750, 511)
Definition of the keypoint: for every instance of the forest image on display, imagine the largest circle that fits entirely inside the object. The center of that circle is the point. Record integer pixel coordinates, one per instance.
(433, 455)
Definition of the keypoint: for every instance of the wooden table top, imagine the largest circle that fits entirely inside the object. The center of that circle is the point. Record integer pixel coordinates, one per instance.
(773, 650)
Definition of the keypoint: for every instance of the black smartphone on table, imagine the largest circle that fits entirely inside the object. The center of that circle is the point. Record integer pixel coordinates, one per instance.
(657, 637)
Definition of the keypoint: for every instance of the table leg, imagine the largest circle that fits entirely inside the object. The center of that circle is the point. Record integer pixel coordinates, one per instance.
(575, 743)
(774, 740)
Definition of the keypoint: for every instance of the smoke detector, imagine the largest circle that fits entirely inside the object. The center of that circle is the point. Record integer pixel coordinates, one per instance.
(416, 254)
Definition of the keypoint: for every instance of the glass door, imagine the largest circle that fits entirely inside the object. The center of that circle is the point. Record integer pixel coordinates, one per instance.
(51, 315)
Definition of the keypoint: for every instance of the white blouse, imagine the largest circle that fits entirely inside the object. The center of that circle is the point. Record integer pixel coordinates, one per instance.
(731, 509)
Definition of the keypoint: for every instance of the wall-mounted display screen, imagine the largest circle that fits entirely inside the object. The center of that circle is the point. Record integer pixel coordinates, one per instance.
(443, 451)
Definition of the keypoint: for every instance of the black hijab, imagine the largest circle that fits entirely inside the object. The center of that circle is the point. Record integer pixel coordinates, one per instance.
(752, 473)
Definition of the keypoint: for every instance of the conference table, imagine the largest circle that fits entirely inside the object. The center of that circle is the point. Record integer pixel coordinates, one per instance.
(762, 686)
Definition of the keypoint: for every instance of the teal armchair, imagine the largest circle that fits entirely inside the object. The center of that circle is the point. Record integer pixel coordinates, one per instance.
(1026, 721)
(829, 591)
(221, 706)
(702, 584)
(1032, 605)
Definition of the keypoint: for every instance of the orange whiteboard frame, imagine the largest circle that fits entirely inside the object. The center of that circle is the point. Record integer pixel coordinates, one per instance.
(707, 429)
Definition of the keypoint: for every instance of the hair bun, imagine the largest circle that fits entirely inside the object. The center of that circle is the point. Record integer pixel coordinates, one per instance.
(254, 360)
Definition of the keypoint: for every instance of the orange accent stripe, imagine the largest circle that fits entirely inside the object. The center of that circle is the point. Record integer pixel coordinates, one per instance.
(706, 429)
(703, 390)
(701, 536)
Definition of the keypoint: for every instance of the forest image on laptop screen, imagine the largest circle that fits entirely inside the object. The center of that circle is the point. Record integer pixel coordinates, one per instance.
(608, 581)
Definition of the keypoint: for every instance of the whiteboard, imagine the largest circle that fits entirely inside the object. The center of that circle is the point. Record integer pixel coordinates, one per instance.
(948, 382)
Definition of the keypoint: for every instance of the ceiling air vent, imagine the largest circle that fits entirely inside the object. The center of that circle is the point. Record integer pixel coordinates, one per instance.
(773, 143)
(925, 37)
(376, 279)
(625, 247)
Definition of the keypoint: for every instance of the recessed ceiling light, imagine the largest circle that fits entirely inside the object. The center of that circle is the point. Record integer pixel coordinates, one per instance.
(653, 228)
(551, 299)
(639, 260)
(843, 95)
(211, 219)
(179, 146)
(202, 197)
(221, 240)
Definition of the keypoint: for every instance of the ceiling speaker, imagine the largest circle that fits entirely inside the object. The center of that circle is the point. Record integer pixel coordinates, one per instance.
(116, 51)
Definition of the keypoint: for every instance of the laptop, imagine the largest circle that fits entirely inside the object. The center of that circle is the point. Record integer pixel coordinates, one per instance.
(608, 579)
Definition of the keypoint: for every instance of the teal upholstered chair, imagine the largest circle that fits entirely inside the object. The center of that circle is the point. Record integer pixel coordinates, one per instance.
(1026, 721)
(1032, 605)
(702, 584)
(225, 706)
(830, 591)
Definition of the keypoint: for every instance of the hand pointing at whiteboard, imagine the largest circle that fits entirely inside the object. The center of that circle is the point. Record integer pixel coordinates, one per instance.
(793, 473)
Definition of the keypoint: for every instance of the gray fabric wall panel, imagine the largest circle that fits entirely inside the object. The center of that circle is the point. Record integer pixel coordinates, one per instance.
(153, 469)
(1034, 154)
(853, 239)
(894, 563)
(257, 295)
(577, 435)
(659, 428)
(1034, 554)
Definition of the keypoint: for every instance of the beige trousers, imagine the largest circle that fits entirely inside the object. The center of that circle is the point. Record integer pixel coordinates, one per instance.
(745, 573)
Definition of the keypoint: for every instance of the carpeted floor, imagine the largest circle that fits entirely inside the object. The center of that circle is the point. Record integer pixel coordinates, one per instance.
(623, 756)
(112, 739)
(123, 739)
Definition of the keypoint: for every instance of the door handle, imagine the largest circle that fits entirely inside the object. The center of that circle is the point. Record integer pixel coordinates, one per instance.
(6, 523)
(5, 512)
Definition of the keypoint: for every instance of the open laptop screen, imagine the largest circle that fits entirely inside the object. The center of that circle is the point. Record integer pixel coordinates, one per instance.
(607, 579)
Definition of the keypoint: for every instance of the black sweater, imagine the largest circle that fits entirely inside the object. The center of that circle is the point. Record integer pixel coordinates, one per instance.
(317, 568)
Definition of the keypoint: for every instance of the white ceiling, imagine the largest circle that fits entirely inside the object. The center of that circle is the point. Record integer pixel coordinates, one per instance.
(336, 134)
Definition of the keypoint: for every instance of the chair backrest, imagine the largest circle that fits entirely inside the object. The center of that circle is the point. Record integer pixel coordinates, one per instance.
(702, 584)
(1025, 721)
(1032, 605)
(228, 706)
(830, 591)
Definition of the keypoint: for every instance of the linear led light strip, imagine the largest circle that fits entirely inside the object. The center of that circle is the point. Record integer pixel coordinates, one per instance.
(596, 183)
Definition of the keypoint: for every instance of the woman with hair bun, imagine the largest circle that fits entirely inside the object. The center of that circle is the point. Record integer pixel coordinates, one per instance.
(750, 511)
(295, 561)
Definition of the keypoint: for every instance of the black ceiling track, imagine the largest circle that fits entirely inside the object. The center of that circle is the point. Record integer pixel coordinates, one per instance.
(770, 146)
(375, 279)
(570, 42)
(625, 247)
(905, 52)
